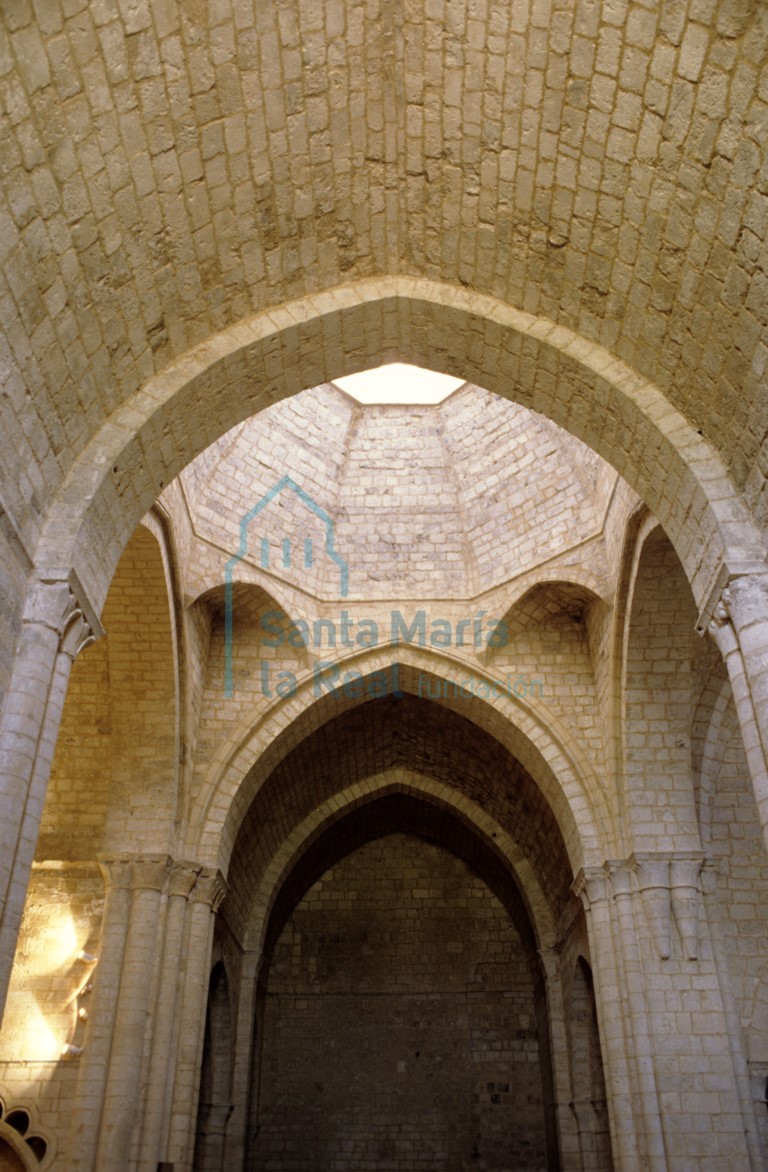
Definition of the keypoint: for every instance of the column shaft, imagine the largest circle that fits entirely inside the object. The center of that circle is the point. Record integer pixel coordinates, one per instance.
(561, 1078)
(740, 629)
(54, 630)
(123, 1093)
(611, 1000)
(79, 1154)
(167, 1023)
(650, 1134)
(243, 1060)
(204, 901)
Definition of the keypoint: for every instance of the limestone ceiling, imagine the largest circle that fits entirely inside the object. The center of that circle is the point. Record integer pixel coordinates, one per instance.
(438, 501)
(170, 168)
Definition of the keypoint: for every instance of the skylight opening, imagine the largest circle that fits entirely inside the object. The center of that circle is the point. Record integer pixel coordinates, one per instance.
(399, 383)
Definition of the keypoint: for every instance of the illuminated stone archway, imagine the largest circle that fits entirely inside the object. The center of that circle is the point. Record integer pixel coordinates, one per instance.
(575, 383)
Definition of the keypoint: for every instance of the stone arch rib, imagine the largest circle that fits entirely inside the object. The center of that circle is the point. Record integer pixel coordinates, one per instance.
(238, 773)
(369, 790)
(577, 384)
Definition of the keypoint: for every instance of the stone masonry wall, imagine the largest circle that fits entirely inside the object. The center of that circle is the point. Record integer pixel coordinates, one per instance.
(113, 771)
(56, 963)
(170, 168)
(399, 1027)
(13, 572)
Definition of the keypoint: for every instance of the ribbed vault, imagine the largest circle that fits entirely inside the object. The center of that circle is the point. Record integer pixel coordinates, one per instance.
(387, 734)
(245, 760)
(398, 813)
(578, 386)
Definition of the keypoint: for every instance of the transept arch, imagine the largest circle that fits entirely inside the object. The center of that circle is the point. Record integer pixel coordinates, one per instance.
(565, 777)
(577, 384)
(367, 790)
(209, 208)
(121, 725)
(378, 737)
(658, 699)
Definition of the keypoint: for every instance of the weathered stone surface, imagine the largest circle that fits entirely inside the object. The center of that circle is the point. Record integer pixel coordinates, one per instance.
(206, 209)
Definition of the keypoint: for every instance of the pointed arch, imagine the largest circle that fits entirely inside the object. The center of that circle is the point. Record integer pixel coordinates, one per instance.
(577, 384)
(533, 737)
(657, 698)
(214, 1105)
(366, 790)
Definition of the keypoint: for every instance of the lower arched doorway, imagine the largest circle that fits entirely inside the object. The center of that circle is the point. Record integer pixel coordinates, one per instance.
(396, 934)
(403, 1024)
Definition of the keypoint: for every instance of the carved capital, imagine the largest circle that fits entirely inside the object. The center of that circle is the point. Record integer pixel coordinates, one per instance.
(722, 631)
(739, 597)
(652, 870)
(183, 878)
(669, 884)
(684, 871)
(591, 886)
(150, 873)
(652, 873)
(76, 634)
(137, 872)
(116, 872)
(620, 872)
(746, 600)
(56, 600)
(210, 887)
(684, 882)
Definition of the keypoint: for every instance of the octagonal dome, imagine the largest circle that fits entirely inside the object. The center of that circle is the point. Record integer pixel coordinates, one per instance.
(342, 499)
